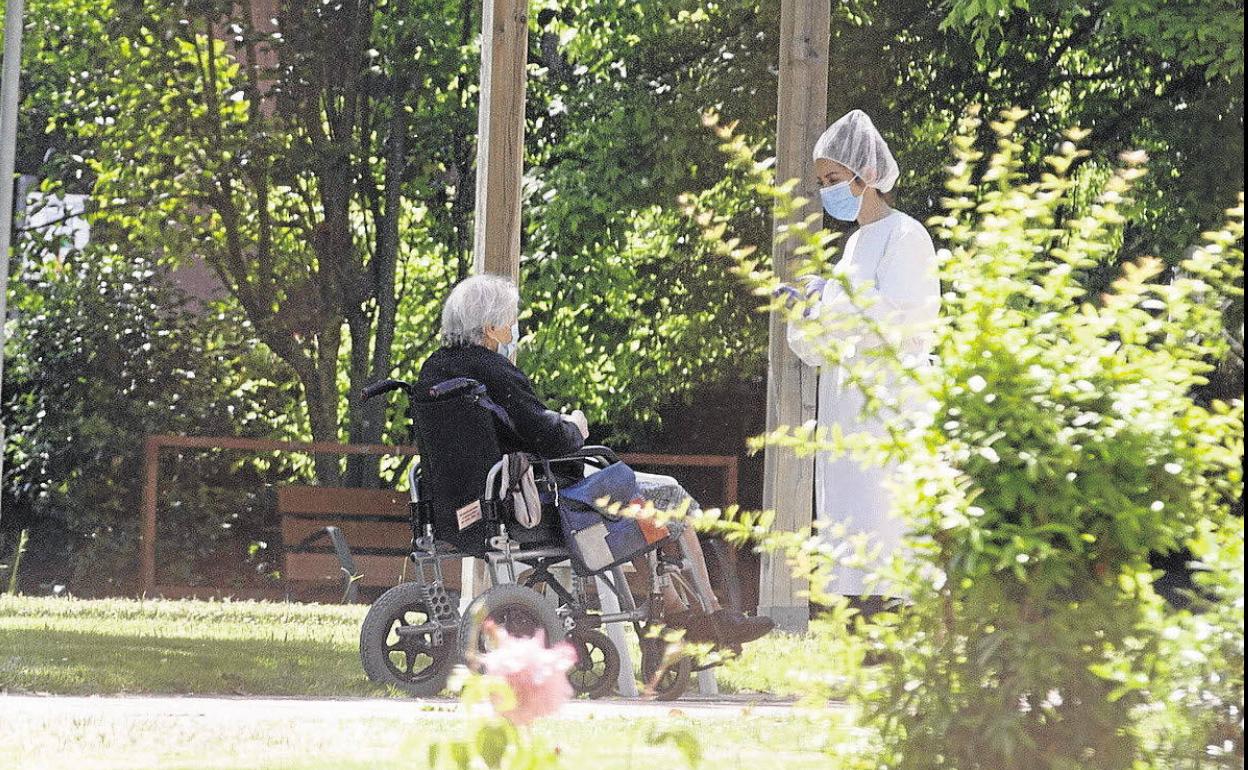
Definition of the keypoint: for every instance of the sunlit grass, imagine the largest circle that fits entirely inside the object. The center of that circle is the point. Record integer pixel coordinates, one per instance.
(124, 646)
(70, 646)
(73, 646)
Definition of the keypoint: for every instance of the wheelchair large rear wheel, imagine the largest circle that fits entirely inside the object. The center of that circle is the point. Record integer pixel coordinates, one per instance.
(516, 610)
(397, 643)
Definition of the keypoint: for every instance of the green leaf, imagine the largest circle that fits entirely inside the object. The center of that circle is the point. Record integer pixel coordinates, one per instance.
(492, 740)
(683, 739)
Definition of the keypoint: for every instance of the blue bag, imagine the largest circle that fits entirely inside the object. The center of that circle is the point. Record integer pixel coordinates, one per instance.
(598, 539)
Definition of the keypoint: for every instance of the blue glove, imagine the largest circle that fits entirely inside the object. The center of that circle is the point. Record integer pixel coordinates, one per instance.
(811, 289)
(813, 285)
(791, 295)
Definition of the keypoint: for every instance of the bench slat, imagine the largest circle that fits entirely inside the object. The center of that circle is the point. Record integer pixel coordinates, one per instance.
(307, 510)
(342, 502)
(360, 534)
(376, 570)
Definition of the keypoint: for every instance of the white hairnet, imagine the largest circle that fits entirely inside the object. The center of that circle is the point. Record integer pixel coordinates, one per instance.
(854, 142)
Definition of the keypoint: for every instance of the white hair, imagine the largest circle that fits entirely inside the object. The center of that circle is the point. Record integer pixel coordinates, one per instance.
(475, 303)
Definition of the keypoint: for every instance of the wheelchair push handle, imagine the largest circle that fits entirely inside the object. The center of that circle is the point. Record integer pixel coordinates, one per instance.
(599, 456)
(605, 453)
(383, 386)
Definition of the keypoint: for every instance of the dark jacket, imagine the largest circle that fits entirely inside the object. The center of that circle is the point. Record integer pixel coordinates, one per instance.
(539, 430)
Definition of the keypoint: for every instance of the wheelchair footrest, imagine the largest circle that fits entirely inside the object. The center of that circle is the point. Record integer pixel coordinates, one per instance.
(443, 612)
(440, 605)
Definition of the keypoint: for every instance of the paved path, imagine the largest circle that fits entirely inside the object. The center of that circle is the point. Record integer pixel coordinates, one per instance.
(234, 708)
(238, 733)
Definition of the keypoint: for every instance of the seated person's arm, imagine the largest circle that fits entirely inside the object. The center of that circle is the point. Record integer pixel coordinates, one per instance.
(543, 431)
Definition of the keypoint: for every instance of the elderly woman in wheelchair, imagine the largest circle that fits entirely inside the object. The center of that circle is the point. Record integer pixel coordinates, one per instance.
(504, 479)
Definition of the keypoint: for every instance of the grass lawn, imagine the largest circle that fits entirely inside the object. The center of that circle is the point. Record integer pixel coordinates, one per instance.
(81, 647)
(73, 646)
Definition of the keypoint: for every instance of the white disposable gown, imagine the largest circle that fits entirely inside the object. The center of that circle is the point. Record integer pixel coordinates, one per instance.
(893, 261)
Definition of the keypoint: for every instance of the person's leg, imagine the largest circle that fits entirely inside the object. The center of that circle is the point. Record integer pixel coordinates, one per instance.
(697, 566)
(666, 494)
(690, 549)
(711, 623)
(672, 601)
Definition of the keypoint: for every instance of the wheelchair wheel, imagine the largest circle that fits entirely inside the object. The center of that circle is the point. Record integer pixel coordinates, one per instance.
(517, 610)
(397, 647)
(597, 669)
(674, 680)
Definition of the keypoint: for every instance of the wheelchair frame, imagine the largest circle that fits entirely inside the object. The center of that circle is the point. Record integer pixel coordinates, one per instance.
(505, 553)
(574, 611)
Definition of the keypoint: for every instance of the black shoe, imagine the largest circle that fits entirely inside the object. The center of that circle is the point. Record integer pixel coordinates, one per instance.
(741, 629)
(722, 628)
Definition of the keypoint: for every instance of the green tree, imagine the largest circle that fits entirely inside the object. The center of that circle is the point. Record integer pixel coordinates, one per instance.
(627, 311)
(287, 156)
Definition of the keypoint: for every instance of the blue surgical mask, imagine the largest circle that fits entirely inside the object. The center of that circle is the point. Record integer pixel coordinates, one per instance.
(840, 202)
(508, 349)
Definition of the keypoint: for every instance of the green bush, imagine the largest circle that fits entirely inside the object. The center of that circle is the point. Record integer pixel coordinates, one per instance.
(1063, 447)
(1196, 715)
(105, 351)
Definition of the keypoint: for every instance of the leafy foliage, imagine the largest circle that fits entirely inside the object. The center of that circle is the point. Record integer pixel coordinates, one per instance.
(1208, 34)
(200, 130)
(279, 151)
(1063, 445)
(103, 353)
(625, 312)
(1198, 673)
(488, 740)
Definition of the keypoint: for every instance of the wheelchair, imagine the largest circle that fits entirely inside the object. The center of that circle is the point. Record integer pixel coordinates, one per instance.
(414, 635)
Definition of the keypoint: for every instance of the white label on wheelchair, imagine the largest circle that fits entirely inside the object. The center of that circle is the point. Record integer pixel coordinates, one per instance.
(592, 543)
(468, 515)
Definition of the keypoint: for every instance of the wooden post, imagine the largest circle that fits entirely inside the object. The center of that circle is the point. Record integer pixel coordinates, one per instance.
(801, 116)
(500, 137)
(147, 538)
(500, 166)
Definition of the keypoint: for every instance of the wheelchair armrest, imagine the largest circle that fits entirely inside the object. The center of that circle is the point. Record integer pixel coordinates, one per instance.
(590, 452)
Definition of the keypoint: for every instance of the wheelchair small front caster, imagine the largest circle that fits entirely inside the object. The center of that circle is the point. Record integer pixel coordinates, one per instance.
(597, 669)
(402, 644)
(665, 683)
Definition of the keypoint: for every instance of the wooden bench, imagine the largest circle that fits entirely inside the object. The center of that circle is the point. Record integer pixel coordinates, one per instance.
(376, 524)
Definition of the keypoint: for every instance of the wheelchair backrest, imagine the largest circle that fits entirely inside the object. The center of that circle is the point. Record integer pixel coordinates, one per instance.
(458, 442)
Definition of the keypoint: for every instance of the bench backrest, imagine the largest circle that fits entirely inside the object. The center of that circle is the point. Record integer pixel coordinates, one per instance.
(375, 521)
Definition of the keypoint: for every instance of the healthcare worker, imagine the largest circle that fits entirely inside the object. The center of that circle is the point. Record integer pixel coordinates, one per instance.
(890, 259)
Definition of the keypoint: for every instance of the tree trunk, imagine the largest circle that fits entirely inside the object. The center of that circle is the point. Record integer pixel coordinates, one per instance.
(320, 394)
(368, 420)
(365, 420)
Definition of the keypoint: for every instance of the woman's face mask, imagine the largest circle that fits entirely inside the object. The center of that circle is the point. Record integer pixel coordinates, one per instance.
(508, 349)
(840, 202)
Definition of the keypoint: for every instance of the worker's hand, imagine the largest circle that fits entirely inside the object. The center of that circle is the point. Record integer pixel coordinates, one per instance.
(812, 285)
(810, 291)
(577, 418)
(790, 294)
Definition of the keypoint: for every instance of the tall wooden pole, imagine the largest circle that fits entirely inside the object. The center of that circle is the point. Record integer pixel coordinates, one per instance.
(500, 167)
(13, 23)
(801, 115)
(500, 137)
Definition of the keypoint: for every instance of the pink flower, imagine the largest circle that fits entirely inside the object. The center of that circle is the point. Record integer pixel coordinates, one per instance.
(536, 674)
